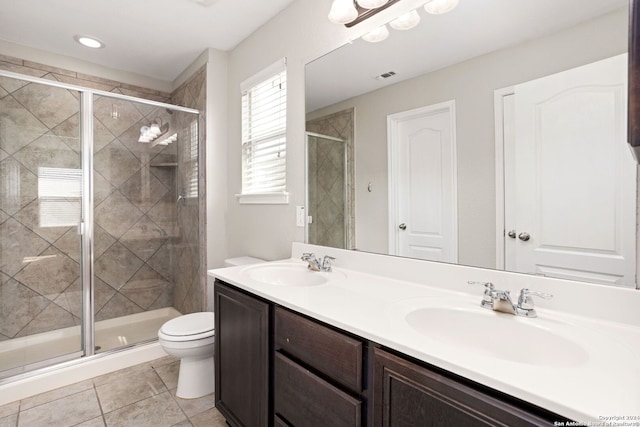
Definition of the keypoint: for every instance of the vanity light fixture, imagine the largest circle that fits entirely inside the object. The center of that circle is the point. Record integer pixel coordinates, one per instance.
(438, 7)
(151, 132)
(89, 41)
(352, 12)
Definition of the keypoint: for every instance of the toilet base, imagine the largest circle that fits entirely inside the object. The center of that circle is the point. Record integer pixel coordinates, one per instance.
(196, 378)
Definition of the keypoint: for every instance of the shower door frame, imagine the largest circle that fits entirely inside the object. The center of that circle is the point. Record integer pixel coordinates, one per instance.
(86, 226)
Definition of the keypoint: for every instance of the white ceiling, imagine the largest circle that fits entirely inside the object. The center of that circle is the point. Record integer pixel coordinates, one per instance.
(474, 28)
(155, 38)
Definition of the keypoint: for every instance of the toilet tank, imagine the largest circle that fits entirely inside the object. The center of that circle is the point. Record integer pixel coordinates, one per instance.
(242, 260)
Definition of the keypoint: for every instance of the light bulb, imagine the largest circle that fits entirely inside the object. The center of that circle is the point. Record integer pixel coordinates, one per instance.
(154, 130)
(372, 4)
(87, 41)
(376, 35)
(406, 21)
(438, 7)
(342, 11)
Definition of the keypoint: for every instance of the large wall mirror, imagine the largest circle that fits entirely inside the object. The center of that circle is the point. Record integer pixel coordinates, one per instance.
(492, 136)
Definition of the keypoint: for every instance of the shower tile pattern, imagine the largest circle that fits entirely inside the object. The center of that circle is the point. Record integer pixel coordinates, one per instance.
(137, 224)
(326, 183)
(189, 282)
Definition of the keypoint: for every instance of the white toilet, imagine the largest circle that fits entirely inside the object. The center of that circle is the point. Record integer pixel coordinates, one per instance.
(191, 338)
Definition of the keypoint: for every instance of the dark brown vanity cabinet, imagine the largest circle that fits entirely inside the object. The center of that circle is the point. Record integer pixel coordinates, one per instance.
(275, 367)
(409, 395)
(242, 357)
(317, 374)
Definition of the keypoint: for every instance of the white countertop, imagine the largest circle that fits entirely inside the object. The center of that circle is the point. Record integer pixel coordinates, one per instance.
(600, 383)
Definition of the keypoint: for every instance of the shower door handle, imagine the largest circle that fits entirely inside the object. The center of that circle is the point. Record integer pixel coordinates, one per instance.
(80, 228)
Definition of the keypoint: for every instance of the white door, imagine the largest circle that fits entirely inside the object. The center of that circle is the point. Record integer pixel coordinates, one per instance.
(573, 213)
(423, 220)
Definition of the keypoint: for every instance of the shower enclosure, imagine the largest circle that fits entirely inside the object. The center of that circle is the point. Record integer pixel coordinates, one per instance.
(99, 224)
(327, 205)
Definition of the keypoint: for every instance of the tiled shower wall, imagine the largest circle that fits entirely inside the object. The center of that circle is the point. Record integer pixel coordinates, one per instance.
(137, 230)
(326, 166)
(189, 283)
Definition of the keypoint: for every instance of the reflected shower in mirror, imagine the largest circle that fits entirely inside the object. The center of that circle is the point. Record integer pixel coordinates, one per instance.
(536, 99)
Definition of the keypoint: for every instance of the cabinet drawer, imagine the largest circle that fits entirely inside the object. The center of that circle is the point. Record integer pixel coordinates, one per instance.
(305, 400)
(332, 353)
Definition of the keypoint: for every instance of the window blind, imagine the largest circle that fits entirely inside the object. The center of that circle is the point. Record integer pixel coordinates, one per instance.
(264, 127)
(192, 156)
(59, 196)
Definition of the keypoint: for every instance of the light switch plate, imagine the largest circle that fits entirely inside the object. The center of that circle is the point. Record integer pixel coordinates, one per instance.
(300, 216)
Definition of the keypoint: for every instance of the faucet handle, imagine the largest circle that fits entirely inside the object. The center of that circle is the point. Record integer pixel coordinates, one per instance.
(326, 263)
(306, 256)
(488, 285)
(489, 291)
(525, 302)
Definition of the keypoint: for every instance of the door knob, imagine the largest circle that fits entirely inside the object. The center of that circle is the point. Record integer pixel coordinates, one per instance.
(524, 236)
(512, 234)
(402, 226)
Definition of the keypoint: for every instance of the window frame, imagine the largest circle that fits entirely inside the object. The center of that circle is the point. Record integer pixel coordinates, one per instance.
(277, 197)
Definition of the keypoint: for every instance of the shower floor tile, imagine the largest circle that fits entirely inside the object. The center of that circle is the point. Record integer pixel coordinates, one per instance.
(142, 395)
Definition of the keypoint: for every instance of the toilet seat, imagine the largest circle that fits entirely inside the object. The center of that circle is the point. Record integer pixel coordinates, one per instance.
(189, 327)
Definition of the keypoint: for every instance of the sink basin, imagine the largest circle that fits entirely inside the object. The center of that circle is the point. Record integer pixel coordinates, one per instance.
(497, 335)
(289, 275)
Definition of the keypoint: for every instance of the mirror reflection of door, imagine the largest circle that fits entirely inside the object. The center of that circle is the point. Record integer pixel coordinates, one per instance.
(570, 180)
(326, 191)
(423, 218)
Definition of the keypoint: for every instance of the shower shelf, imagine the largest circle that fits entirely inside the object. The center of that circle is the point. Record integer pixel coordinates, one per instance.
(164, 165)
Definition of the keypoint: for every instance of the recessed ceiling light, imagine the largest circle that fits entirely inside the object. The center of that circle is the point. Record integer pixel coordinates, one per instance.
(87, 41)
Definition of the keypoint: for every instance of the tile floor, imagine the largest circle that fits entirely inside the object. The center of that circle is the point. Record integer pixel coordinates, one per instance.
(143, 395)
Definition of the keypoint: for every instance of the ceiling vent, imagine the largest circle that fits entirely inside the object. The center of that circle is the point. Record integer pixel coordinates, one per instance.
(386, 75)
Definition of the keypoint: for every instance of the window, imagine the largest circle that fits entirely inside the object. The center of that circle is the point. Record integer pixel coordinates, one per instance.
(191, 158)
(59, 196)
(264, 136)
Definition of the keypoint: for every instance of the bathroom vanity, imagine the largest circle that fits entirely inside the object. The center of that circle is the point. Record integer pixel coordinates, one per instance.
(364, 346)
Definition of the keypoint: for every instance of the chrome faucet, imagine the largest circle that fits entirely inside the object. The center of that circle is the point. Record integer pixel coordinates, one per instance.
(498, 300)
(315, 264)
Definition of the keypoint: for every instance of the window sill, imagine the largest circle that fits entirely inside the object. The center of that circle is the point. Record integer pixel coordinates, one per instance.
(281, 198)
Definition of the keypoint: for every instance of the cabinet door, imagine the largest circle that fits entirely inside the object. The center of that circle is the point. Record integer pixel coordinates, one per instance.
(242, 357)
(409, 395)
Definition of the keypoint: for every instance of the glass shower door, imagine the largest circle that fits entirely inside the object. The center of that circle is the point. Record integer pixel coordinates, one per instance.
(326, 191)
(146, 219)
(40, 213)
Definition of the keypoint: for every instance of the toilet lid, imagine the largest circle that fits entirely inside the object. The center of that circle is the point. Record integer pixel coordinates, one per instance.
(189, 324)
